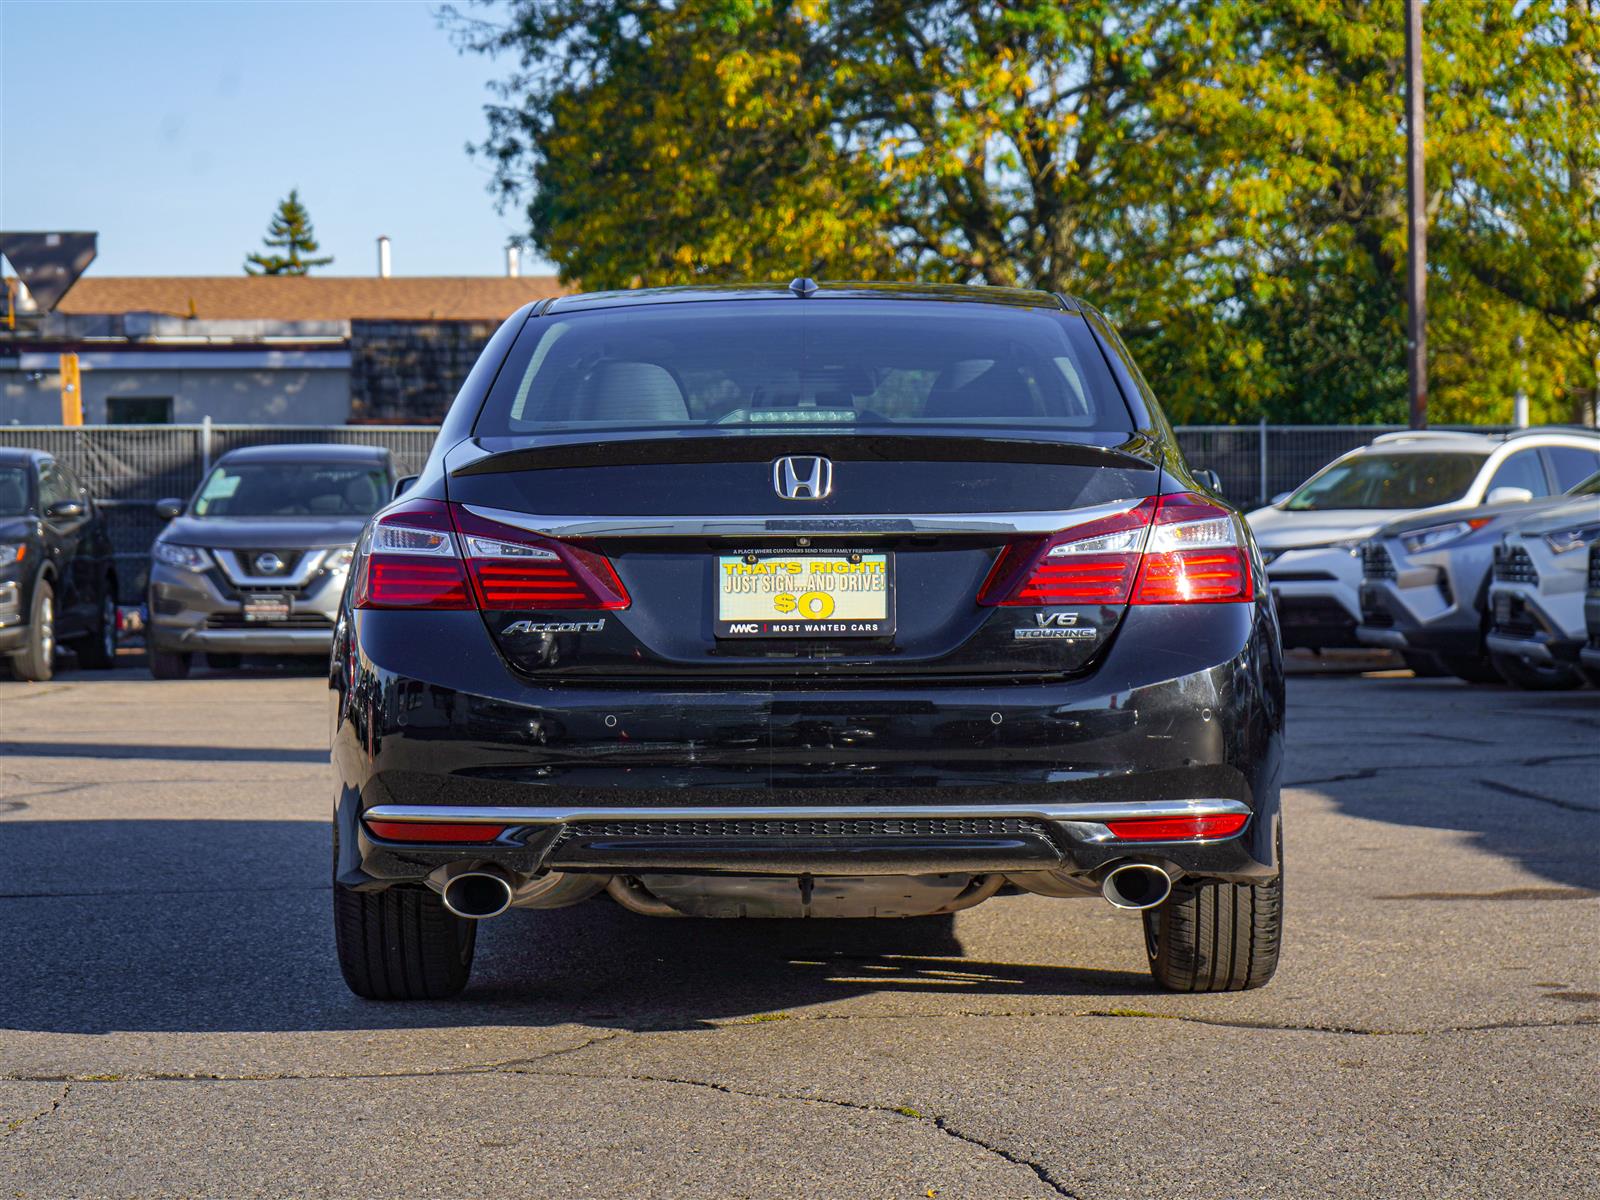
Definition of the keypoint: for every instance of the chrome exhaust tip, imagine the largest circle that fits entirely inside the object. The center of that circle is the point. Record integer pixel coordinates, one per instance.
(477, 895)
(1135, 886)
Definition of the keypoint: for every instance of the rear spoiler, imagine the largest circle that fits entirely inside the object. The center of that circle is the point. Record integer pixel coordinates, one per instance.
(1137, 452)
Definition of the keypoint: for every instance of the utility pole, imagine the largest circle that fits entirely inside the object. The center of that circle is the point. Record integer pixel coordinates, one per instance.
(1416, 225)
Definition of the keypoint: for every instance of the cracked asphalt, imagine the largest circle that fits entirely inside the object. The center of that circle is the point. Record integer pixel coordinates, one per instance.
(172, 1022)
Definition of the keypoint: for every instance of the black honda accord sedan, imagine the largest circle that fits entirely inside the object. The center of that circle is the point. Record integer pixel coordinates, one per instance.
(832, 600)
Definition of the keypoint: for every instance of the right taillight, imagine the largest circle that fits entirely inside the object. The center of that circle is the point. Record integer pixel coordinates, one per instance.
(1195, 555)
(1179, 549)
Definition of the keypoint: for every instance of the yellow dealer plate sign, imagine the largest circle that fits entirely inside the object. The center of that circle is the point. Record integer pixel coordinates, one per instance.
(784, 594)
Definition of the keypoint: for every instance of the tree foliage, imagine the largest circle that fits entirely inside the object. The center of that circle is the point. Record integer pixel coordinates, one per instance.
(1224, 177)
(290, 240)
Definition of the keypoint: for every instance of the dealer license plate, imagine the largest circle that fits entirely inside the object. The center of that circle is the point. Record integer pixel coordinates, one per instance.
(787, 594)
(266, 607)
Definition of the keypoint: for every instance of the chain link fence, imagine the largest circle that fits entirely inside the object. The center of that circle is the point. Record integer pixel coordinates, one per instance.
(127, 468)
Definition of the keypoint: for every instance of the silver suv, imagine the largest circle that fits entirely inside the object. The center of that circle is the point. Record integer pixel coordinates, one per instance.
(1536, 599)
(256, 560)
(1425, 583)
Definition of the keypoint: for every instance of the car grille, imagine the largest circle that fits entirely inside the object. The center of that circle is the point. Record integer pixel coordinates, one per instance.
(747, 827)
(292, 621)
(1594, 569)
(1375, 561)
(1512, 565)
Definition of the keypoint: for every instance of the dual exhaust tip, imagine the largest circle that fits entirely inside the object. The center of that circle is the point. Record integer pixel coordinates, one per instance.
(477, 895)
(480, 894)
(1136, 886)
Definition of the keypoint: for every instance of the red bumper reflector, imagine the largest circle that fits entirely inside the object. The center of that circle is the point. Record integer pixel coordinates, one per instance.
(434, 831)
(1177, 829)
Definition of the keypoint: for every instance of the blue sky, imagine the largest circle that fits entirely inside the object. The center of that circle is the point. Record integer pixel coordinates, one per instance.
(173, 129)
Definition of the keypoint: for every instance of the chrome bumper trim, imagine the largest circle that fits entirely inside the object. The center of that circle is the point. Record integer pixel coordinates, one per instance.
(1519, 647)
(1076, 813)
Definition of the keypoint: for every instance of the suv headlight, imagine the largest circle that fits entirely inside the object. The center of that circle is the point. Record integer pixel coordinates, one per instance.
(1562, 540)
(339, 560)
(1434, 536)
(189, 558)
(12, 552)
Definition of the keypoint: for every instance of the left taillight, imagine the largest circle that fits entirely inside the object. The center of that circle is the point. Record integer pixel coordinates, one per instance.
(513, 569)
(430, 554)
(409, 559)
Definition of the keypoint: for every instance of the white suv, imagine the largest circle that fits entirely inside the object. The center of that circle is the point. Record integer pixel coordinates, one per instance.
(1310, 539)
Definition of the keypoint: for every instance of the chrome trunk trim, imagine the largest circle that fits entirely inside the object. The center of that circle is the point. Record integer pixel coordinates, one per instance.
(1004, 523)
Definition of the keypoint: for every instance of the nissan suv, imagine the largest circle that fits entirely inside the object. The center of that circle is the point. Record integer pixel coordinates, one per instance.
(255, 561)
(832, 600)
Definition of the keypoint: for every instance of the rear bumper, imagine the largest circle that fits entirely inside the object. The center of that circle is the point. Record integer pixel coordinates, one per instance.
(1186, 706)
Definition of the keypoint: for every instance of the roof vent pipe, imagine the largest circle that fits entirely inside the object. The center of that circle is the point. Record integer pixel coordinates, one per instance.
(513, 262)
(383, 257)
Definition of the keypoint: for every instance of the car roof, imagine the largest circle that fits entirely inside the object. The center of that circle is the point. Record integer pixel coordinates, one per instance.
(805, 289)
(20, 456)
(307, 452)
(1466, 439)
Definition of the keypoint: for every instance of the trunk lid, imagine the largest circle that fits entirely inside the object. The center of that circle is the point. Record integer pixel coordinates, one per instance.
(677, 516)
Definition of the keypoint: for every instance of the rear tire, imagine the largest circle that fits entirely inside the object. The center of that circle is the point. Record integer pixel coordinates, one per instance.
(401, 944)
(98, 651)
(1537, 677)
(1471, 668)
(1215, 937)
(35, 662)
(1424, 665)
(166, 665)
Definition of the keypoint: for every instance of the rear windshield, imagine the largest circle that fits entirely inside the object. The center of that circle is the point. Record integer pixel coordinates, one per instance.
(13, 491)
(1388, 481)
(838, 364)
(291, 490)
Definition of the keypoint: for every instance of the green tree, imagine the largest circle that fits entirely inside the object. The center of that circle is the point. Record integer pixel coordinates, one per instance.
(1224, 177)
(290, 240)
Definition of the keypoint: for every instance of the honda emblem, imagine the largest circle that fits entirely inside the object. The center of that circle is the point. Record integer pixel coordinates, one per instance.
(808, 478)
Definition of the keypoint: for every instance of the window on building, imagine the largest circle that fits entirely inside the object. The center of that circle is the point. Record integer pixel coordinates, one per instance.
(139, 410)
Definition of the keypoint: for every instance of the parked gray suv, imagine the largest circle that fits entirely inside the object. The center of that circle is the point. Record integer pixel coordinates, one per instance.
(255, 562)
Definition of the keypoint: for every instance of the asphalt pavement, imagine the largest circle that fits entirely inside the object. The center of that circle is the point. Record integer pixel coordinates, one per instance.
(172, 1022)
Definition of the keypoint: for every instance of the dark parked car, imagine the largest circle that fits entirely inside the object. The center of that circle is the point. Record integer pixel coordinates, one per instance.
(255, 561)
(58, 581)
(837, 601)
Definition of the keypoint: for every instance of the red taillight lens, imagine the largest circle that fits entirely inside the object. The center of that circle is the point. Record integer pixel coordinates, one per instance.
(1181, 549)
(1177, 829)
(1195, 555)
(409, 560)
(434, 831)
(1087, 564)
(514, 569)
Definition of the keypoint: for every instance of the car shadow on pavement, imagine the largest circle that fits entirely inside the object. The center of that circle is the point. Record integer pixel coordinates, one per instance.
(163, 753)
(224, 926)
(1516, 772)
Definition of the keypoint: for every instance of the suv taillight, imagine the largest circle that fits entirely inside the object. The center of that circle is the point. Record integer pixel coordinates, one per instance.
(428, 554)
(1180, 549)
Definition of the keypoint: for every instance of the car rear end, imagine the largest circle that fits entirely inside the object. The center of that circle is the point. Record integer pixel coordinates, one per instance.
(829, 604)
